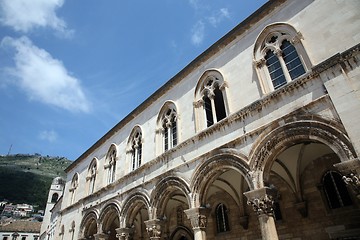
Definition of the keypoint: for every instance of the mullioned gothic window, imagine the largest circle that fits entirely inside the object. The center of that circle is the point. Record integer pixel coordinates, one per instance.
(335, 190)
(74, 185)
(111, 164)
(135, 148)
(91, 177)
(167, 127)
(222, 218)
(210, 101)
(279, 56)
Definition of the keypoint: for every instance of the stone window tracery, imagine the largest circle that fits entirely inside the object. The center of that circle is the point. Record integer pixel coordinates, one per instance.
(279, 56)
(111, 165)
(135, 148)
(335, 190)
(210, 99)
(73, 187)
(91, 178)
(168, 126)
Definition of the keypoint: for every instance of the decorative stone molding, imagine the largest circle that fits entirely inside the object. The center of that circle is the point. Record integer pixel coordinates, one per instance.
(101, 236)
(262, 200)
(198, 217)
(124, 233)
(259, 63)
(198, 103)
(153, 228)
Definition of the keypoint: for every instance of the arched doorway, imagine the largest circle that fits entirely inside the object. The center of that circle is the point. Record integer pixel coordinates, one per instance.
(110, 221)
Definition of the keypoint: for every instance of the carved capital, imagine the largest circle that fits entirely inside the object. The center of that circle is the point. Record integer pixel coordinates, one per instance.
(101, 236)
(278, 52)
(153, 228)
(259, 63)
(198, 103)
(198, 217)
(262, 200)
(351, 174)
(124, 233)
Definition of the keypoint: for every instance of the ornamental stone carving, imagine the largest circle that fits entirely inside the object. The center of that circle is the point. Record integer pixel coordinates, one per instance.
(124, 233)
(262, 200)
(198, 217)
(153, 228)
(351, 174)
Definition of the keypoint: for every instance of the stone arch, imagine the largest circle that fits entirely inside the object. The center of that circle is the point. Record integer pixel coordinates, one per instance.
(88, 223)
(222, 160)
(132, 204)
(280, 138)
(108, 213)
(163, 190)
(181, 232)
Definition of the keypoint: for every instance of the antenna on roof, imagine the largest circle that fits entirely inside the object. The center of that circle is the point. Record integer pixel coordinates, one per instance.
(9, 150)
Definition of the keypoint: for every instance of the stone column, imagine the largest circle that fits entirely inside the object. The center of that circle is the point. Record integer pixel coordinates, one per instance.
(198, 218)
(351, 174)
(124, 233)
(154, 228)
(262, 200)
(101, 236)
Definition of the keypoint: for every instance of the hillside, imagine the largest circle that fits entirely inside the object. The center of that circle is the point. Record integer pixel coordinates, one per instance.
(27, 178)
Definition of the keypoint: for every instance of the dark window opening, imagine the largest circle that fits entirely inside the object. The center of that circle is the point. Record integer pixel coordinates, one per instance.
(222, 221)
(292, 60)
(276, 73)
(208, 111)
(219, 104)
(335, 190)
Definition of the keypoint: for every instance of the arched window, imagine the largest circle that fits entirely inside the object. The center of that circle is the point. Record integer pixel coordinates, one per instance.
(54, 197)
(168, 126)
(91, 177)
(135, 148)
(73, 187)
(279, 56)
(222, 220)
(111, 164)
(209, 99)
(335, 190)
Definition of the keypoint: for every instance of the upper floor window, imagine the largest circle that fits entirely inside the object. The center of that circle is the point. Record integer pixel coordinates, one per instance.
(222, 219)
(54, 197)
(168, 126)
(335, 190)
(279, 56)
(111, 164)
(135, 148)
(73, 187)
(210, 104)
(91, 177)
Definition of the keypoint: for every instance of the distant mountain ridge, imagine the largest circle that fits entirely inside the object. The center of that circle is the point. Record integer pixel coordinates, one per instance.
(26, 178)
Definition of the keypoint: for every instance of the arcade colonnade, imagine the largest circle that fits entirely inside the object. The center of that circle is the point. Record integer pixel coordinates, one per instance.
(179, 208)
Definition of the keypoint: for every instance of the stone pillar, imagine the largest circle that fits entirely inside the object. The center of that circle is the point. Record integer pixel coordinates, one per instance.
(262, 200)
(351, 174)
(101, 236)
(198, 219)
(154, 228)
(124, 233)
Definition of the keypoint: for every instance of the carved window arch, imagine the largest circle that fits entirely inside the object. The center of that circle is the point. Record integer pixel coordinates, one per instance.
(110, 165)
(279, 56)
(167, 127)
(135, 148)
(91, 176)
(73, 187)
(222, 218)
(210, 99)
(335, 190)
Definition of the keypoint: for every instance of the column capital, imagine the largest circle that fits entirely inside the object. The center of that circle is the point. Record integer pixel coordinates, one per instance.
(351, 174)
(124, 233)
(262, 200)
(198, 217)
(153, 227)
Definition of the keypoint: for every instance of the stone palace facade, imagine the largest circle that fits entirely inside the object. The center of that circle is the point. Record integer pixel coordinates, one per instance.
(257, 138)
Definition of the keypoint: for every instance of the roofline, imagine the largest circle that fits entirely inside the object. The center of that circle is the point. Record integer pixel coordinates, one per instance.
(208, 53)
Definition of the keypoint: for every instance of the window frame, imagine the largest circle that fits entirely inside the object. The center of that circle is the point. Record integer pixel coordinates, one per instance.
(271, 38)
(110, 166)
(206, 104)
(92, 175)
(135, 148)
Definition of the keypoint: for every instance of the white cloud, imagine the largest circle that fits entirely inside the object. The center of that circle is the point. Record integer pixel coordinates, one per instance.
(219, 16)
(24, 15)
(50, 136)
(198, 32)
(44, 78)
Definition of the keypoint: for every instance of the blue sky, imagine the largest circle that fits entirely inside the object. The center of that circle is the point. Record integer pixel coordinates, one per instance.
(71, 70)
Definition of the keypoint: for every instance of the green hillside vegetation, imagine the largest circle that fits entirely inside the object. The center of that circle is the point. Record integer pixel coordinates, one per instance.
(27, 178)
